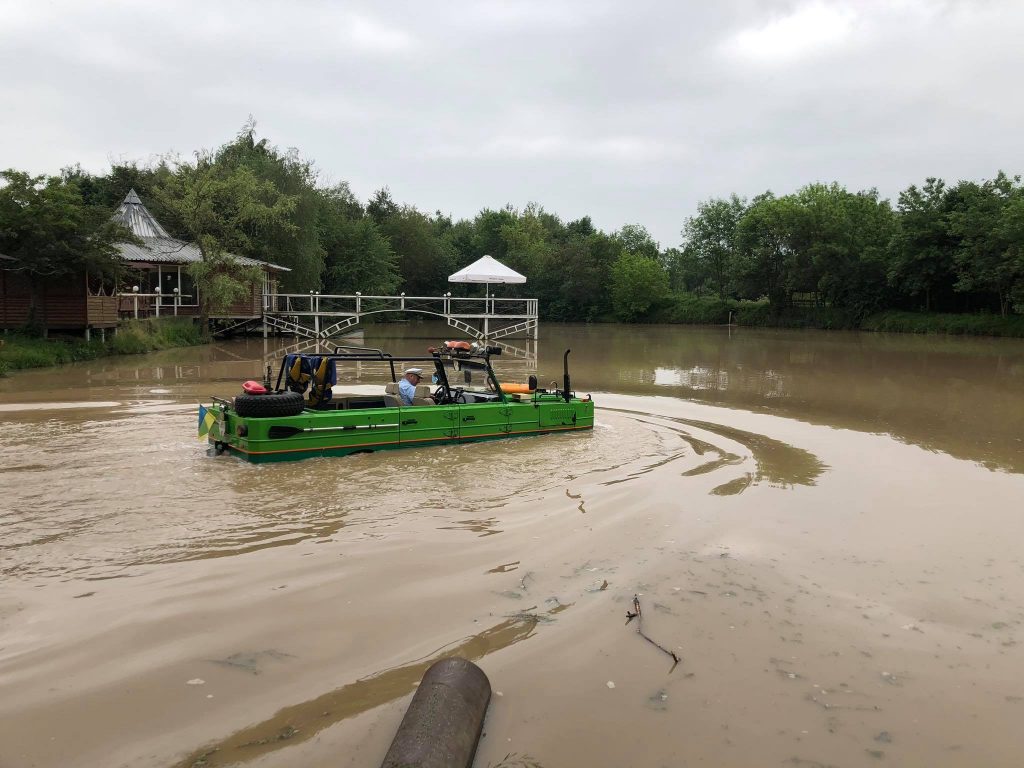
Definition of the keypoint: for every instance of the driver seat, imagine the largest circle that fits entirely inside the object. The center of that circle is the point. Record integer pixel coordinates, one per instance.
(422, 395)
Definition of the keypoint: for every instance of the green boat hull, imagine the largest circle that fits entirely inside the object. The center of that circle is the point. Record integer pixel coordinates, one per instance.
(362, 430)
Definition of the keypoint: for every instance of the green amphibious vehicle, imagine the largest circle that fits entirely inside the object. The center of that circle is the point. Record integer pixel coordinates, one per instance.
(300, 416)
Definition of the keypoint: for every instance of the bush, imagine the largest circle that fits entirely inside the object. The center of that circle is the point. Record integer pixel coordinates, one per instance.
(131, 341)
(18, 354)
(686, 308)
(638, 284)
(133, 337)
(762, 314)
(934, 322)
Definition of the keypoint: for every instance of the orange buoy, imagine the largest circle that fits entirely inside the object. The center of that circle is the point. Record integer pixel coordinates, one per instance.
(458, 345)
(514, 388)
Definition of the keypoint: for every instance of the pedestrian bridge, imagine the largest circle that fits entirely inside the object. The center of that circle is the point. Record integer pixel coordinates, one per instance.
(323, 316)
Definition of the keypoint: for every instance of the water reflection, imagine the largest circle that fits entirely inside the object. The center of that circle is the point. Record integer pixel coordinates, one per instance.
(962, 396)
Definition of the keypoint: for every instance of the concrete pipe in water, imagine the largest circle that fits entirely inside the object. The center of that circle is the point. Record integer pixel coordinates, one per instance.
(442, 726)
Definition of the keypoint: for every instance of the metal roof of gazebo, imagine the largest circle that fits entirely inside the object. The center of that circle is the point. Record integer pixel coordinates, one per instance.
(157, 245)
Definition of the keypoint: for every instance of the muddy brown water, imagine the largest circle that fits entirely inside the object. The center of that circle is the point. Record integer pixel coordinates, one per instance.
(826, 528)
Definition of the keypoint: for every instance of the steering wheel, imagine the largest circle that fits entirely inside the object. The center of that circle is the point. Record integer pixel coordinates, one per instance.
(457, 396)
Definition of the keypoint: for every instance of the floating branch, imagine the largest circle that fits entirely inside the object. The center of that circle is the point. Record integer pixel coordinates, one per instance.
(638, 614)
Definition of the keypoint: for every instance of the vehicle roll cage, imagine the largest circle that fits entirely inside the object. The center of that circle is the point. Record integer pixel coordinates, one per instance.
(438, 358)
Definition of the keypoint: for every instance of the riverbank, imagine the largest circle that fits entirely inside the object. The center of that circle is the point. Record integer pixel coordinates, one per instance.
(133, 337)
(685, 309)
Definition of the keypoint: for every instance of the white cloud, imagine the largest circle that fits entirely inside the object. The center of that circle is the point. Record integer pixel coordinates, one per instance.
(809, 29)
(371, 35)
(614, 149)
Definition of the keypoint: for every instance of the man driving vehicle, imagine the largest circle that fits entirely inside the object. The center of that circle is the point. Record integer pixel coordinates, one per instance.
(407, 386)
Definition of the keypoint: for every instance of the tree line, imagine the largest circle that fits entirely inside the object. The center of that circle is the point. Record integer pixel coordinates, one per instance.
(942, 248)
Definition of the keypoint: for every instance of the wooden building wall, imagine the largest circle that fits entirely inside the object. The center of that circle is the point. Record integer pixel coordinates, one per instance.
(248, 307)
(63, 303)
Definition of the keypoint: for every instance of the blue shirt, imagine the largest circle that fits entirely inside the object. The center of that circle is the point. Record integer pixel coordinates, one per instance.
(406, 391)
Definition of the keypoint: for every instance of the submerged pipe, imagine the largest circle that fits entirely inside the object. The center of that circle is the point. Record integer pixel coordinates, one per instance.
(442, 726)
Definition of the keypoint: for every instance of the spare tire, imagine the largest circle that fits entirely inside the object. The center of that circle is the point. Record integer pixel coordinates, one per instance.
(270, 404)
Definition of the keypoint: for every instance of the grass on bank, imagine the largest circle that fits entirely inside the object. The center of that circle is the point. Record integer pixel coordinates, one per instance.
(133, 337)
(931, 322)
(688, 309)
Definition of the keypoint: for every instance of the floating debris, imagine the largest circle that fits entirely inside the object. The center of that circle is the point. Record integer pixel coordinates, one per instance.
(658, 701)
(513, 760)
(252, 662)
(637, 614)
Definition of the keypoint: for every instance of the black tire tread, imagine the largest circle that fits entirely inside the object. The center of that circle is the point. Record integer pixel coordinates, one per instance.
(270, 404)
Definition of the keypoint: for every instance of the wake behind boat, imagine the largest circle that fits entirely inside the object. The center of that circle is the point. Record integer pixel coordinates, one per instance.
(300, 416)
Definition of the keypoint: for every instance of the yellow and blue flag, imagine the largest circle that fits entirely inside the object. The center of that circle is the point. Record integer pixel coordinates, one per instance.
(206, 421)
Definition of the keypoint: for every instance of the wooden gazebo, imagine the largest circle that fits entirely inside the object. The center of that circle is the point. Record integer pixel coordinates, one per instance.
(160, 269)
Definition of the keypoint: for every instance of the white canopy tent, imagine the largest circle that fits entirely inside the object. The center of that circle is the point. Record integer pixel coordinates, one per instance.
(486, 270)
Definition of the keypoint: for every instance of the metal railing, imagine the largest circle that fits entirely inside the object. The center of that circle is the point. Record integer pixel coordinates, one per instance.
(334, 313)
(315, 303)
(175, 304)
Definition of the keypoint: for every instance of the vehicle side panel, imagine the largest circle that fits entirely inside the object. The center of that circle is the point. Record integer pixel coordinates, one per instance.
(428, 423)
(483, 420)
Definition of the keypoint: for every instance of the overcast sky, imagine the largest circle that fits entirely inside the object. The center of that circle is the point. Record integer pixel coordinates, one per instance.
(630, 112)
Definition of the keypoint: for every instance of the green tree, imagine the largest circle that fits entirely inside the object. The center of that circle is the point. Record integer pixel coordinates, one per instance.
(488, 228)
(688, 273)
(381, 207)
(359, 258)
(710, 239)
(424, 259)
(528, 245)
(638, 241)
(839, 243)
(49, 231)
(988, 225)
(638, 283)
(764, 251)
(921, 252)
(221, 208)
(293, 240)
